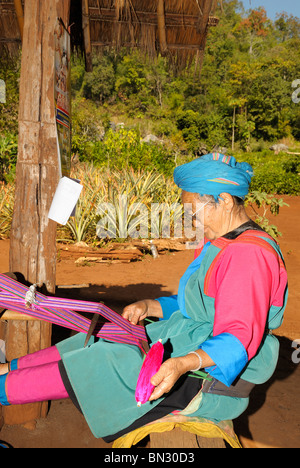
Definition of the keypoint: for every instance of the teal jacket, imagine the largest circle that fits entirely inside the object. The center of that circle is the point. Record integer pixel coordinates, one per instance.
(104, 374)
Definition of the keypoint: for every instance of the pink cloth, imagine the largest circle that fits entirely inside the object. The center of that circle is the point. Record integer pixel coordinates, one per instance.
(246, 280)
(36, 379)
(34, 384)
(45, 356)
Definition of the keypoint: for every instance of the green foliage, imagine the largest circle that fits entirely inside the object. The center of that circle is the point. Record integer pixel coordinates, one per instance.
(242, 101)
(274, 174)
(120, 195)
(7, 197)
(124, 149)
(10, 74)
(245, 86)
(132, 75)
(136, 203)
(99, 85)
(8, 156)
(268, 204)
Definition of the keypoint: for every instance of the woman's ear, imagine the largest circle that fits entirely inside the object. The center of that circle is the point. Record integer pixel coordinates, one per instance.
(227, 201)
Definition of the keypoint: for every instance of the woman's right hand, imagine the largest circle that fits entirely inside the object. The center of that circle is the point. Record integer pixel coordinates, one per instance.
(140, 310)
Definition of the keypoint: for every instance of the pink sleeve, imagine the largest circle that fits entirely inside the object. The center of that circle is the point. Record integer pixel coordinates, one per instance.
(245, 282)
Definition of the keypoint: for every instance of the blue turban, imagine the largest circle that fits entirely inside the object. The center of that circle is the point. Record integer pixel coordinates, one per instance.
(213, 174)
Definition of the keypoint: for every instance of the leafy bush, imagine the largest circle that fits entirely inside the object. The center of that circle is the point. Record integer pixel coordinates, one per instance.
(278, 174)
(99, 85)
(10, 74)
(124, 149)
(269, 204)
(8, 156)
(7, 195)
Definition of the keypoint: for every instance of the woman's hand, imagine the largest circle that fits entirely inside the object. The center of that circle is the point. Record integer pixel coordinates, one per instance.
(140, 310)
(172, 369)
(165, 379)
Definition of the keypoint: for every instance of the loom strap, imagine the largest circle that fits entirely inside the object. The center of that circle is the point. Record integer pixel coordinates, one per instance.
(64, 312)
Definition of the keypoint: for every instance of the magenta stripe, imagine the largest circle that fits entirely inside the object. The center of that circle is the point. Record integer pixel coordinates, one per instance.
(95, 307)
(57, 310)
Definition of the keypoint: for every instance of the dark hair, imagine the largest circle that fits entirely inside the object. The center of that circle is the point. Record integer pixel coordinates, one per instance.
(238, 201)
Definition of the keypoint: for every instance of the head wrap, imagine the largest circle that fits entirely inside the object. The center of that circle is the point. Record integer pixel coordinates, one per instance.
(213, 174)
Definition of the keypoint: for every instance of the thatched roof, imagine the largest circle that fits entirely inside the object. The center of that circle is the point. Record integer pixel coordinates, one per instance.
(176, 28)
(10, 37)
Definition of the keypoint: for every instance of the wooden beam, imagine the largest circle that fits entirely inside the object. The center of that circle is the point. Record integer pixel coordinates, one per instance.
(33, 235)
(87, 35)
(203, 27)
(10, 40)
(183, 440)
(146, 17)
(12, 315)
(129, 44)
(20, 16)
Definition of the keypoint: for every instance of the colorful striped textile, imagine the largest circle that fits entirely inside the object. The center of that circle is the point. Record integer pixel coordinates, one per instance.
(222, 157)
(220, 180)
(64, 312)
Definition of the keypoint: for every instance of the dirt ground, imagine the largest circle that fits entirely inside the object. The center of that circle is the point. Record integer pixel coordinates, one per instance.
(273, 416)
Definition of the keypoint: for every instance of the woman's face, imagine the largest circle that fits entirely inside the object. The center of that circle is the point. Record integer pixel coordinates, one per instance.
(214, 217)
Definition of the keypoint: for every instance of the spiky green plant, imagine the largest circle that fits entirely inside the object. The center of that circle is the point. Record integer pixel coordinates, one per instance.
(7, 196)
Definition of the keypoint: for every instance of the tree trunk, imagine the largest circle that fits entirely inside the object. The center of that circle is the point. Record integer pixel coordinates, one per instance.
(233, 129)
(33, 236)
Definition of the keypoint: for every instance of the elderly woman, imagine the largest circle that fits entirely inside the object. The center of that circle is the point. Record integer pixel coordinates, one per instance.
(229, 300)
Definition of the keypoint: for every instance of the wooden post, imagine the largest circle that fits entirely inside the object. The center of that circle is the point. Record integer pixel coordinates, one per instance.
(161, 22)
(33, 236)
(20, 16)
(207, 9)
(87, 35)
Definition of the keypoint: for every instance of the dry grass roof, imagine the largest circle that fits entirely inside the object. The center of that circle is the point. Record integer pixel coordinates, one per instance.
(176, 28)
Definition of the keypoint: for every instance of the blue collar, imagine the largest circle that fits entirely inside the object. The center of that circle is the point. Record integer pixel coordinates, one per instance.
(194, 266)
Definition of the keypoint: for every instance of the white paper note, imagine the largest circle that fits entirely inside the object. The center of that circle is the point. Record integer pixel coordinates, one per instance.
(64, 201)
(2, 352)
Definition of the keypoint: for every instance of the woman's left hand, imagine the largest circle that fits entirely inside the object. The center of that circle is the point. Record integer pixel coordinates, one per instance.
(172, 369)
(165, 379)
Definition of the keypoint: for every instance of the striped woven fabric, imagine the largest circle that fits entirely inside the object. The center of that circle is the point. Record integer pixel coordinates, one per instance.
(64, 312)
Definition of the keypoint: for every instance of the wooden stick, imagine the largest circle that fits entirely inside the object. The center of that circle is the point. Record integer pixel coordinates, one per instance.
(20, 16)
(161, 22)
(12, 315)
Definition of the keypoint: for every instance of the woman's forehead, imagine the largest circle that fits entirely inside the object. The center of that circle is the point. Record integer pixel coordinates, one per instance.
(188, 197)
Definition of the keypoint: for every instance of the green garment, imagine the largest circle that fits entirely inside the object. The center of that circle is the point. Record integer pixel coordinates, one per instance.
(104, 375)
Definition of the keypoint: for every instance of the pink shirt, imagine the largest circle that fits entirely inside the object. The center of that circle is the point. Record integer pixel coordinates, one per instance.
(246, 279)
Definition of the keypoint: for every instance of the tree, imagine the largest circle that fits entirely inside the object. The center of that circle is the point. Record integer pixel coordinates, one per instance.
(256, 27)
(287, 26)
(99, 84)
